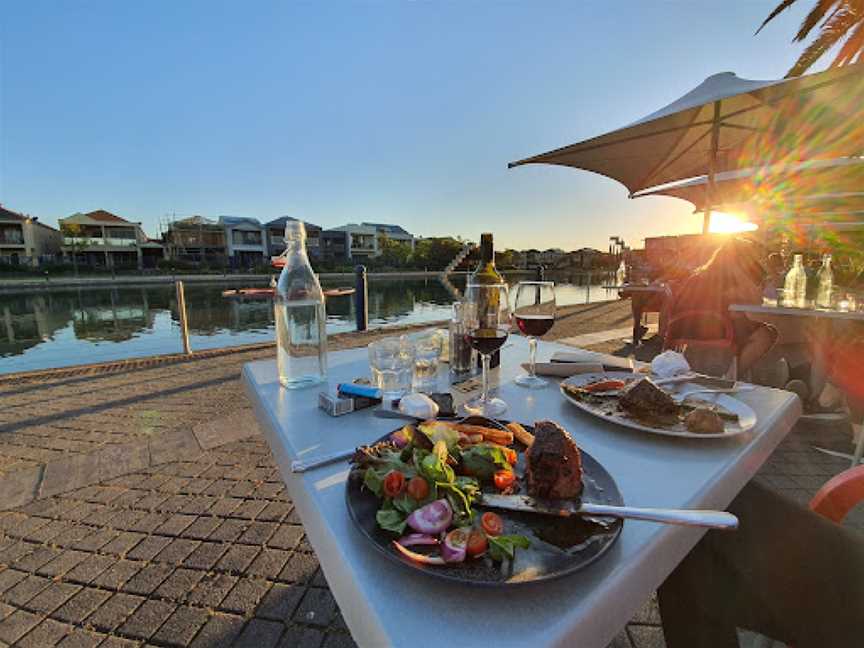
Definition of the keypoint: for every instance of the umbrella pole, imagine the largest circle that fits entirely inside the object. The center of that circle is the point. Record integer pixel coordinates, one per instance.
(712, 166)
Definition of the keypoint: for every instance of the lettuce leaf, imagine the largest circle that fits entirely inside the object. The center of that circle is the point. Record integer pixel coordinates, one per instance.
(504, 546)
(484, 460)
(391, 520)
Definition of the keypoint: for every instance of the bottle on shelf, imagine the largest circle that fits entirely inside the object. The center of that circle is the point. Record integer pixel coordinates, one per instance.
(621, 274)
(487, 273)
(825, 283)
(301, 338)
(795, 286)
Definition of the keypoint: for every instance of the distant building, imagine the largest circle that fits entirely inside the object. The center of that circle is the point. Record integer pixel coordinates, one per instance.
(276, 237)
(246, 239)
(584, 259)
(23, 239)
(197, 240)
(353, 242)
(102, 239)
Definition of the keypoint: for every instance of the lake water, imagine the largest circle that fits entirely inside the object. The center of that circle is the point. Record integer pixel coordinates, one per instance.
(57, 328)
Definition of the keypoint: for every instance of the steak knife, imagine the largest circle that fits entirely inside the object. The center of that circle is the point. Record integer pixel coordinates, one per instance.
(567, 508)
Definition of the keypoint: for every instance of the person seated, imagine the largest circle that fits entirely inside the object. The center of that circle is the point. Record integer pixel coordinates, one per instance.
(733, 275)
(666, 276)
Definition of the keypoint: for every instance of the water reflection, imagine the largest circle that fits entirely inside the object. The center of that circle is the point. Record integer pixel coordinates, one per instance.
(65, 327)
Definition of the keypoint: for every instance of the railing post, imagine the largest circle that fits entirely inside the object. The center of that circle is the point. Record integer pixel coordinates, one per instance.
(184, 322)
(540, 274)
(588, 289)
(361, 297)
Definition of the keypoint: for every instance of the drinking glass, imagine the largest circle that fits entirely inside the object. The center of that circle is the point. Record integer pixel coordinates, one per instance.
(486, 315)
(392, 362)
(428, 346)
(534, 310)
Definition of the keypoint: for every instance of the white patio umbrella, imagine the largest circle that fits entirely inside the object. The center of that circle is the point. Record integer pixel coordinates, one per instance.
(779, 186)
(725, 124)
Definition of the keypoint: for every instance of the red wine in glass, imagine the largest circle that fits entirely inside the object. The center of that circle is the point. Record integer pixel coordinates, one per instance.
(536, 325)
(486, 341)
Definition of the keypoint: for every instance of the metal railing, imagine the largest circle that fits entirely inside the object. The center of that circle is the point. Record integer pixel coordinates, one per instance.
(98, 242)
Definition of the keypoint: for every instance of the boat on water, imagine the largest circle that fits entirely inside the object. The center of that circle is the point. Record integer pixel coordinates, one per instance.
(267, 293)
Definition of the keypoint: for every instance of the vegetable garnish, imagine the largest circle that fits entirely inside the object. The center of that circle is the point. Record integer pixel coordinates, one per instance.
(477, 543)
(432, 518)
(418, 488)
(504, 479)
(501, 547)
(418, 557)
(453, 547)
(492, 523)
(604, 385)
(394, 483)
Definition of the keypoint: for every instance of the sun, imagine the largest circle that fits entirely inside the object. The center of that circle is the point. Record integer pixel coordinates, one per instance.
(723, 223)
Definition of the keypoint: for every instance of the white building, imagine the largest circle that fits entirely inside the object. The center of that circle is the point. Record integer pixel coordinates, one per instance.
(357, 242)
(246, 241)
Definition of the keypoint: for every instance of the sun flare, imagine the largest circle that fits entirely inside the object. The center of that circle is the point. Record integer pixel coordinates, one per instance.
(723, 223)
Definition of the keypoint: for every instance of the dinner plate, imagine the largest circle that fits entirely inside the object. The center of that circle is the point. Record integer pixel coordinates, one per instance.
(608, 408)
(559, 546)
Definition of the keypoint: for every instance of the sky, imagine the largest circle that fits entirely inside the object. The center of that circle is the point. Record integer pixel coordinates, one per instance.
(337, 112)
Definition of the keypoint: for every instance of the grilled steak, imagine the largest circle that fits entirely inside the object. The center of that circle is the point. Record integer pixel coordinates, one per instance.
(554, 464)
(644, 399)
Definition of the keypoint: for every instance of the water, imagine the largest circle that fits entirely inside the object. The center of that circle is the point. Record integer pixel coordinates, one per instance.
(392, 382)
(57, 328)
(301, 357)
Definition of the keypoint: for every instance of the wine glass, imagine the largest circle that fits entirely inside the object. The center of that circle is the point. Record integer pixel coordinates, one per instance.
(486, 316)
(534, 310)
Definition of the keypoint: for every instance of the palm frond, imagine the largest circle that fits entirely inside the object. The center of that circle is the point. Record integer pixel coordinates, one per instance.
(783, 6)
(832, 32)
(816, 14)
(853, 46)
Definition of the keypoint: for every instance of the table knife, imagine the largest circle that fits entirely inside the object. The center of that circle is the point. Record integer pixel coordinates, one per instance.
(564, 508)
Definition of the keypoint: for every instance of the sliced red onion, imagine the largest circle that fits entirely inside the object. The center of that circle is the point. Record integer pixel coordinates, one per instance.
(435, 517)
(418, 557)
(453, 549)
(417, 539)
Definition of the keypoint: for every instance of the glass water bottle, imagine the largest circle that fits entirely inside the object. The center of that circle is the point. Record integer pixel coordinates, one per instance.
(825, 282)
(301, 338)
(796, 283)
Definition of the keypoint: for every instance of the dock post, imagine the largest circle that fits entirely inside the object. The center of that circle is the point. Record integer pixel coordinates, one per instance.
(184, 322)
(540, 275)
(361, 297)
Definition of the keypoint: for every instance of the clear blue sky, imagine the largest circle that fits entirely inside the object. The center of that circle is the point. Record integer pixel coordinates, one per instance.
(336, 112)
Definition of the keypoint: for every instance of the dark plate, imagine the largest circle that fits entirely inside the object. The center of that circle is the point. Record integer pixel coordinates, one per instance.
(559, 546)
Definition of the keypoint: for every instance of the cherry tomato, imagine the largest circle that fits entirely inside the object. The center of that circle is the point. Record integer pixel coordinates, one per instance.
(394, 483)
(504, 479)
(511, 455)
(418, 488)
(477, 543)
(492, 523)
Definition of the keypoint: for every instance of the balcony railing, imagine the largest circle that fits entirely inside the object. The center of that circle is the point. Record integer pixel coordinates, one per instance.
(7, 239)
(83, 241)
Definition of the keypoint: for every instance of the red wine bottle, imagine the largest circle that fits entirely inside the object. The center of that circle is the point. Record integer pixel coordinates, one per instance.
(487, 273)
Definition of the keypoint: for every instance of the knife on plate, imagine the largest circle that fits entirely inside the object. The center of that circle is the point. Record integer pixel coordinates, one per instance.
(564, 508)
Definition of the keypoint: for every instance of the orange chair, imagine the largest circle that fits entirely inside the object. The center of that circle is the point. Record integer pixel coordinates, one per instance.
(672, 340)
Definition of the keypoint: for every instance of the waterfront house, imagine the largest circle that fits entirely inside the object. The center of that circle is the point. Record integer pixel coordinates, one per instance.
(196, 240)
(24, 240)
(276, 237)
(356, 242)
(102, 239)
(247, 244)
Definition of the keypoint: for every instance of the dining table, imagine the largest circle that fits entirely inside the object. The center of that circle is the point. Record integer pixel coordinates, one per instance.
(386, 603)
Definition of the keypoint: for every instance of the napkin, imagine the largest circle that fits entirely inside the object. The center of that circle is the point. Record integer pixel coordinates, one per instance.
(565, 369)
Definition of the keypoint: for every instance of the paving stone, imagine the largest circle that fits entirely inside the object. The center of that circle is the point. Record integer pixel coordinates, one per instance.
(259, 634)
(237, 558)
(95, 540)
(249, 509)
(175, 524)
(52, 597)
(9, 578)
(117, 574)
(66, 561)
(123, 543)
(148, 579)
(47, 633)
(119, 642)
(183, 624)
(280, 602)
(206, 555)
(287, 536)
(89, 569)
(229, 530)
(300, 568)
(212, 590)
(81, 605)
(148, 522)
(316, 608)
(17, 624)
(69, 473)
(80, 638)
(339, 640)
(621, 640)
(646, 636)
(201, 528)
(114, 611)
(269, 563)
(220, 630)
(245, 596)
(147, 619)
(16, 550)
(148, 548)
(649, 613)
(297, 636)
(177, 551)
(25, 590)
(32, 561)
(5, 610)
(274, 512)
(179, 584)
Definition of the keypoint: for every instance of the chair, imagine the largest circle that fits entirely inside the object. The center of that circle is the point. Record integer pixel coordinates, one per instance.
(725, 343)
(834, 500)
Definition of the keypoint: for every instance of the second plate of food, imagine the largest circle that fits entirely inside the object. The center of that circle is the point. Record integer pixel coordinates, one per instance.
(632, 400)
